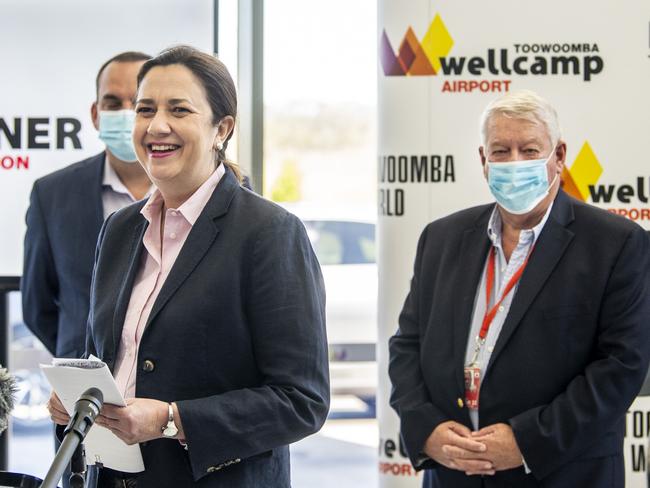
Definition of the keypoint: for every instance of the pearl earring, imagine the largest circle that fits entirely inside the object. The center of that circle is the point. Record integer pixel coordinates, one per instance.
(219, 146)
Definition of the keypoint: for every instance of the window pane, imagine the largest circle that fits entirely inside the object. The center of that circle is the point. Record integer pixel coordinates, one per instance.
(320, 164)
(320, 102)
(31, 443)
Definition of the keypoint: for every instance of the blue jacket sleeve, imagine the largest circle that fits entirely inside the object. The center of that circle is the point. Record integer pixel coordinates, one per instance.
(409, 397)
(39, 284)
(553, 434)
(285, 311)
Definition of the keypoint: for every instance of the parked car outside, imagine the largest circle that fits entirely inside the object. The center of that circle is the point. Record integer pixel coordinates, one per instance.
(344, 242)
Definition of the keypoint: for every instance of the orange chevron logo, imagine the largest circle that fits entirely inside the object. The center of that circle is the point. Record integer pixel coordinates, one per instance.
(584, 172)
(416, 58)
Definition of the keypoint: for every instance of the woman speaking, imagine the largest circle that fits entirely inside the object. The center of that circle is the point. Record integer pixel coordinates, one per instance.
(207, 301)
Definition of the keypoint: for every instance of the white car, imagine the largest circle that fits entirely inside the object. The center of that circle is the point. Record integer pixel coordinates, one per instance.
(344, 243)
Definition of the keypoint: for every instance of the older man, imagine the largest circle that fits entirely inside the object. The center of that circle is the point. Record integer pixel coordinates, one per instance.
(525, 335)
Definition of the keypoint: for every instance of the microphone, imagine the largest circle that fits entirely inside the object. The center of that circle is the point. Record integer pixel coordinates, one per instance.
(8, 388)
(87, 406)
(86, 410)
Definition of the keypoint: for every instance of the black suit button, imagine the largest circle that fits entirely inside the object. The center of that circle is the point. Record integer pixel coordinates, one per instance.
(148, 366)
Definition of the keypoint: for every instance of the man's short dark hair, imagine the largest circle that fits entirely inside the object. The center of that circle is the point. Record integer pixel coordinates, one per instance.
(125, 57)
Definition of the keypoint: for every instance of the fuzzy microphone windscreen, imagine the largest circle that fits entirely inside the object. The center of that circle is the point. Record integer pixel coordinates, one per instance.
(7, 390)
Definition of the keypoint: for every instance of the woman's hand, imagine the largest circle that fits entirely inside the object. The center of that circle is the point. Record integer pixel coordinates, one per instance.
(57, 411)
(141, 420)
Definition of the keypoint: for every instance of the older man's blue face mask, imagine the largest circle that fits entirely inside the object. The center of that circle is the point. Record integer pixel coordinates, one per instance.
(519, 186)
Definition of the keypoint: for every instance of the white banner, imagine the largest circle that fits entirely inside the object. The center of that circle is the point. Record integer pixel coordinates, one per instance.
(441, 63)
(51, 52)
(635, 446)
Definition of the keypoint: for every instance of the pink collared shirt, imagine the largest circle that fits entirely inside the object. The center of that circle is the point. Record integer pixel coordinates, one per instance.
(157, 261)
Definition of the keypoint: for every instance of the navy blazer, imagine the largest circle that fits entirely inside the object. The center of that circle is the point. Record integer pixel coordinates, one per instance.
(570, 359)
(236, 338)
(63, 221)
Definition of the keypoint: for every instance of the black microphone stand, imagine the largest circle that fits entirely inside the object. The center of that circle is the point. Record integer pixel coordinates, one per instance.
(74, 434)
(78, 468)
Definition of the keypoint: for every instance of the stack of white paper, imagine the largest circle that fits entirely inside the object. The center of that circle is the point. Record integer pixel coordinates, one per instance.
(69, 379)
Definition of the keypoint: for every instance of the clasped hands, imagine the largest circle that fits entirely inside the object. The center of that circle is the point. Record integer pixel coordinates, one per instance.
(141, 420)
(491, 449)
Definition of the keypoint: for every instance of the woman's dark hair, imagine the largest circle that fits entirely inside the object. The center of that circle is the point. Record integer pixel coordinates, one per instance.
(216, 81)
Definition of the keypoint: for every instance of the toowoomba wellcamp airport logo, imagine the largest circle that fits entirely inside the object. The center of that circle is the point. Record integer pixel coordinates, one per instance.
(583, 181)
(463, 73)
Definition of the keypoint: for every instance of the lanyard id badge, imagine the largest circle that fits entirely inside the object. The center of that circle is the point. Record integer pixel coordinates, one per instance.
(473, 377)
(472, 372)
(472, 386)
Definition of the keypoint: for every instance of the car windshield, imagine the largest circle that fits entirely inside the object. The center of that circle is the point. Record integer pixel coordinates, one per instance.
(338, 242)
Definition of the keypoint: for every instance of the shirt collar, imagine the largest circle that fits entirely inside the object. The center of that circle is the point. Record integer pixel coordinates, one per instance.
(494, 227)
(112, 180)
(193, 206)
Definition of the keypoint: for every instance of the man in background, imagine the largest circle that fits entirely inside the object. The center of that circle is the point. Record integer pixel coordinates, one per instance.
(67, 209)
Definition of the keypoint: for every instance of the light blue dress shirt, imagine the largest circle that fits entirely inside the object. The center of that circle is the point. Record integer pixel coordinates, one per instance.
(504, 270)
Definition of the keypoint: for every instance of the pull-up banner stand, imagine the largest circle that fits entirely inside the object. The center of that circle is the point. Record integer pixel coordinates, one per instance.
(48, 85)
(50, 57)
(440, 64)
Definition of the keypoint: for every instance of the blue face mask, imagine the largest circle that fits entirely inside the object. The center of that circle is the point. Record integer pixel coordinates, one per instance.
(519, 186)
(116, 130)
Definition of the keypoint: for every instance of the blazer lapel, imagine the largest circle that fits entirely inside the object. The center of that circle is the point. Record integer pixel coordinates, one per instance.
(201, 237)
(549, 248)
(126, 289)
(91, 210)
(474, 248)
(96, 187)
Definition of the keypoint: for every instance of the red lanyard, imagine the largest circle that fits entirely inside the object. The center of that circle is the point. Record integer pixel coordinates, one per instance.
(490, 313)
